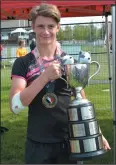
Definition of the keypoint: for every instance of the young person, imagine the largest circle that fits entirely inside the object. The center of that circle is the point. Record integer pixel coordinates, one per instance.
(21, 50)
(33, 77)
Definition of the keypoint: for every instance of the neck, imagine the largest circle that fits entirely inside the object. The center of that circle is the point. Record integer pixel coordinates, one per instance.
(47, 51)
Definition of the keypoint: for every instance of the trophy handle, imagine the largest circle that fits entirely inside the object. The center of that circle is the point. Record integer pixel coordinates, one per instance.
(98, 69)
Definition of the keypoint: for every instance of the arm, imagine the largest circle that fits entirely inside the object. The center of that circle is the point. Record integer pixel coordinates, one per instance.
(27, 94)
(83, 94)
(105, 142)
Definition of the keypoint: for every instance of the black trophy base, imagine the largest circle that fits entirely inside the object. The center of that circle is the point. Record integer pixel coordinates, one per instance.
(86, 156)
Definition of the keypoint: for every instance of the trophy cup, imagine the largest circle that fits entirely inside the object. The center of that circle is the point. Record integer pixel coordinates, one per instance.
(84, 134)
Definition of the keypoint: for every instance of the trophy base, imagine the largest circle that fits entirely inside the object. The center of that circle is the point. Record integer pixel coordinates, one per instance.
(86, 156)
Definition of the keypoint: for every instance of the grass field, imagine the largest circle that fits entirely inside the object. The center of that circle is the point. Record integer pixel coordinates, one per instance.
(13, 141)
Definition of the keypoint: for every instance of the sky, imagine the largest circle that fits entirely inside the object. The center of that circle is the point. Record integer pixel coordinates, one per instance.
(83, 19)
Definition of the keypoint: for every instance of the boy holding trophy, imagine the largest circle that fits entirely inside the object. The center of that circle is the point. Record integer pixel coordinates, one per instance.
(37, 83)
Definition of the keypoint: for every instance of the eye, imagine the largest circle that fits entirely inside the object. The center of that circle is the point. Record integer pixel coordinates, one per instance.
(50, 26)
(40, 26)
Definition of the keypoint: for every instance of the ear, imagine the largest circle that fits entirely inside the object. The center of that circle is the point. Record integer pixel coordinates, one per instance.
(58, 27)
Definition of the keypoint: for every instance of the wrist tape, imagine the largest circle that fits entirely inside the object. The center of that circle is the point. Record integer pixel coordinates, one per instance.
(17, 105)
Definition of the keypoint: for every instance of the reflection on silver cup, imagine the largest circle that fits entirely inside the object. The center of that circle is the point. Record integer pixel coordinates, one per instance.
(75, 146)
(73, 116)
(93, 128)
(100, 142)
(78, 130)
(78, 74)
(87, 112)
(90, 145)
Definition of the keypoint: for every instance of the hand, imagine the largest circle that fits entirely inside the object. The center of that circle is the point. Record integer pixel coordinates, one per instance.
(105, 143)
(53, 71)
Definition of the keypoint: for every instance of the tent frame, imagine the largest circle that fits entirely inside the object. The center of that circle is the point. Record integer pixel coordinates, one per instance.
(112, 71)
(114, 75)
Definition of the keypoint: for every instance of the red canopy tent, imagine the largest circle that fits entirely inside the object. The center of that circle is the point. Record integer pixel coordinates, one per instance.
(15, 9)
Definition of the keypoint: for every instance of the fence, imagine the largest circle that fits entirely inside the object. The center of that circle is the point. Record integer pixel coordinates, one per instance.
(73, 38)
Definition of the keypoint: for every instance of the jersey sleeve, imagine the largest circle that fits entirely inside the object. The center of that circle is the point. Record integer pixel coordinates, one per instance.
(19, 69)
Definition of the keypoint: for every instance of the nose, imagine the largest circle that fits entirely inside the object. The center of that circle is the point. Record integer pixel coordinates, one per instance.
(46, 31)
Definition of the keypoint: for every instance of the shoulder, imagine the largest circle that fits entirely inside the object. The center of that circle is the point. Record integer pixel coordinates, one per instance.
(24, 60)
(21, 64)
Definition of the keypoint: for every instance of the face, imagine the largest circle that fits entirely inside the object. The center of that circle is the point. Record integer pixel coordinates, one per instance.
(45, 29)
(23, 44)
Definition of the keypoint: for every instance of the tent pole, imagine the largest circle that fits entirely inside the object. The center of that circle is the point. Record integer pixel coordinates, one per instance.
(28, 23)
(114, 75)
(109, 56)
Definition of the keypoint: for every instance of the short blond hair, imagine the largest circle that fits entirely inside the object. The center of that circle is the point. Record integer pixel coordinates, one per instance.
(46, 10)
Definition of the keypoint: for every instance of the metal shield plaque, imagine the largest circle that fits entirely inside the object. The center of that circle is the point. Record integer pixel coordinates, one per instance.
(100, 142)
(75, 146)
(78, 130)
(89, 145)
(93, 128)
(73, 116)
(87, 112)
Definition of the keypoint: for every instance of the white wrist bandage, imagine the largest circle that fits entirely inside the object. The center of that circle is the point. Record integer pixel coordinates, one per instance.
(17, 105)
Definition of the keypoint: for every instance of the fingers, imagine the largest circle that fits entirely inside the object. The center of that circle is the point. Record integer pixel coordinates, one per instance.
(57, 68)
(106, 144)
(56, 62)
(54, 70)
(57, 71)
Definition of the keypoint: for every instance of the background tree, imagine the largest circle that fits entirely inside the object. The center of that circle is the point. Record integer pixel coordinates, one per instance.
(68, 33)
(84, 32)
(60, 35)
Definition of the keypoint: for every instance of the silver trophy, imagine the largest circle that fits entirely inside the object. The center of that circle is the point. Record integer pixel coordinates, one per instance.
(84, 135)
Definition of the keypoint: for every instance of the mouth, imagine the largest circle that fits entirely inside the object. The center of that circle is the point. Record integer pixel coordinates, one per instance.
(46, 37)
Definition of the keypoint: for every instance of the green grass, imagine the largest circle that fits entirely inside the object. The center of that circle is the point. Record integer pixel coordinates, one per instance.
(13, 141)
